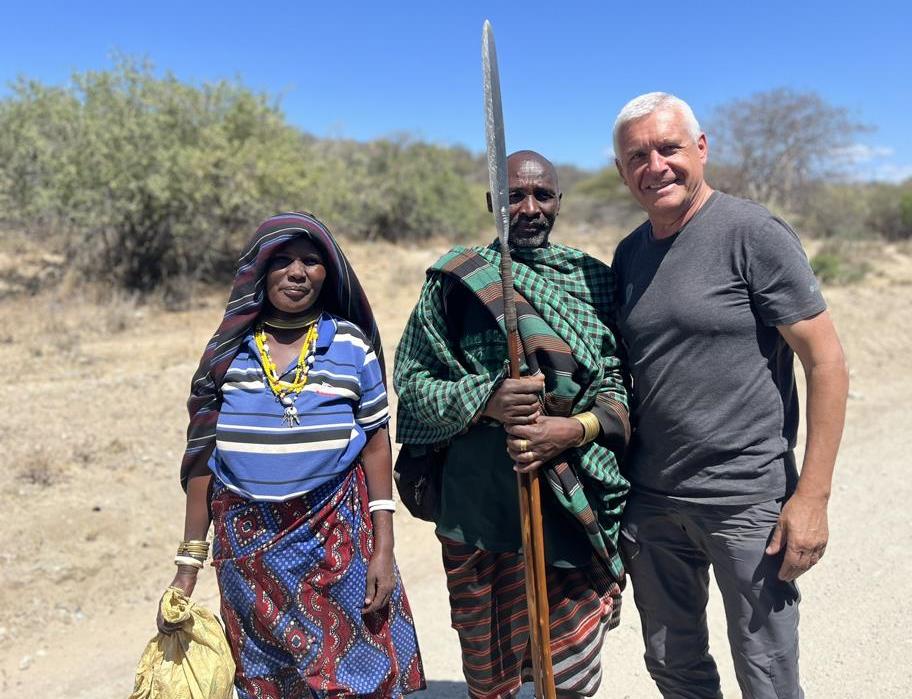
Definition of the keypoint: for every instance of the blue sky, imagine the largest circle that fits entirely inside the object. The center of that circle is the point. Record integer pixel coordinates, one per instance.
(363, 70)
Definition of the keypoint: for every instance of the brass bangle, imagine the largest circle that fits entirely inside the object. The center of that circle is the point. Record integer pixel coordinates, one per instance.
(194, 548)
(591, 427)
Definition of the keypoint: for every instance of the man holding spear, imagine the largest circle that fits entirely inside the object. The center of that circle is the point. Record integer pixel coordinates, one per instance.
(566, 418)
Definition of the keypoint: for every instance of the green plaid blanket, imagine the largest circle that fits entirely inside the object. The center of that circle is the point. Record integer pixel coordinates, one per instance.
(564, 313)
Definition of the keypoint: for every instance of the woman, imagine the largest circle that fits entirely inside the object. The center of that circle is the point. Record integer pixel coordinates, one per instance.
(288, 453)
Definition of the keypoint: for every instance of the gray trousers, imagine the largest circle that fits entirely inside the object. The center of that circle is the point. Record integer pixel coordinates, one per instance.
(668, 547)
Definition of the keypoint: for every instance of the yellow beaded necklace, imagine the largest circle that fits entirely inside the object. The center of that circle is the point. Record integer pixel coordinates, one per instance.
(286, 391)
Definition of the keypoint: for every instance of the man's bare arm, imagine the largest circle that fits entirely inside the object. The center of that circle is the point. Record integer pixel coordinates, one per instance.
(802, 529)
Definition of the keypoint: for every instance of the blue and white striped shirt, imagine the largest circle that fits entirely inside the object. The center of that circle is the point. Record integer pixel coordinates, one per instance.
(258, 456)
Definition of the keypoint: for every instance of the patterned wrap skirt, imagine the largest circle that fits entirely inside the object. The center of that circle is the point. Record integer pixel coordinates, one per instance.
(292, 577)
(489, 612)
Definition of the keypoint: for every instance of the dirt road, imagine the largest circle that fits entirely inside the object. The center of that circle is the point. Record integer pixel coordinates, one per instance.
(92, 432)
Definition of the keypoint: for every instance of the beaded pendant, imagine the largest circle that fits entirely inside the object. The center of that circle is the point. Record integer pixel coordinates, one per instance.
(290, 416)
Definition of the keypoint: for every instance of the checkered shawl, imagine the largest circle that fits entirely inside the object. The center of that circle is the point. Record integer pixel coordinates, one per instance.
(342, 295)
(563, 308)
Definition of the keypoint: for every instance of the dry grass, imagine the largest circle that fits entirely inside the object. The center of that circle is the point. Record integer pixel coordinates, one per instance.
(94, 420)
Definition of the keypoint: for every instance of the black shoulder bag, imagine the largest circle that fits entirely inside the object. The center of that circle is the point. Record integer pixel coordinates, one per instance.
(418, 472)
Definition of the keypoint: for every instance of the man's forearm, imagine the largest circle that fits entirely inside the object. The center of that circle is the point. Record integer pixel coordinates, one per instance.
(827, 390)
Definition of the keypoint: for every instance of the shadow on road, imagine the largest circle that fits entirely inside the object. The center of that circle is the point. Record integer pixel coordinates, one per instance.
(450, 689)
(444, 689)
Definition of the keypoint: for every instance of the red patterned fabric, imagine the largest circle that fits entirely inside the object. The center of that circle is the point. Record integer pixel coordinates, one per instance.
(292, 579)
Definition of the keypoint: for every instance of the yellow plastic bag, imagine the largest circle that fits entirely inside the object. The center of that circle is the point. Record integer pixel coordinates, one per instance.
(192, 663)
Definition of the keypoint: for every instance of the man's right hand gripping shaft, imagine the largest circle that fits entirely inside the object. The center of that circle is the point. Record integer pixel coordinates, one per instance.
(516, 401)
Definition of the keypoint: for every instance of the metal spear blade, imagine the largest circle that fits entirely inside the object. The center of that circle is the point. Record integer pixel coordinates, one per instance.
(494, 135)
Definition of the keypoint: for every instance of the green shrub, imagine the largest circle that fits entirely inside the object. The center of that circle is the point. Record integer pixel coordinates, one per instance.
(601, 199)
(859, 211)
(403, 190)
(905, 214)
(147, 181)
(839, 264)
(885, 210)
(836, 211)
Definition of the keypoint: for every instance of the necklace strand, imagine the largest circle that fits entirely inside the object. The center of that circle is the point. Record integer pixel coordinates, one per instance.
(284, 388)
(292, 323)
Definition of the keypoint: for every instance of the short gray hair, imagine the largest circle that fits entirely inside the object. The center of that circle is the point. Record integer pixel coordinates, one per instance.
(644, 105)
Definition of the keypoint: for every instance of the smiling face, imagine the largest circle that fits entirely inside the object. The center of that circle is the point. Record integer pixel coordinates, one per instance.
(295, 277)
(662, 166)
(534, 199)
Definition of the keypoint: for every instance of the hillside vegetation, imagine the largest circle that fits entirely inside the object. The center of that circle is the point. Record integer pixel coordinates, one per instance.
(146, 181)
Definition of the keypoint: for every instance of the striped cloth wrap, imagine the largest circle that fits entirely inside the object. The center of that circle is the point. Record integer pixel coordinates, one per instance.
(564, 300)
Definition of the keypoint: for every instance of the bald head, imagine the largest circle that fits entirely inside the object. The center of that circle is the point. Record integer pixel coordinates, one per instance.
(528, 162)
(534, 198)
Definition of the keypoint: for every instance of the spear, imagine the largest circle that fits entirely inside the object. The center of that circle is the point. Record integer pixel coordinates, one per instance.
(529, 483)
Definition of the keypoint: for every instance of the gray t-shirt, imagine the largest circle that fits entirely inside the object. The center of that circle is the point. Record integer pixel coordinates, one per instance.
(714, 402)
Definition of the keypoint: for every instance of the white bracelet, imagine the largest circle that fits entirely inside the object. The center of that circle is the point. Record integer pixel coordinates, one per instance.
(188, 561)
(374, 505)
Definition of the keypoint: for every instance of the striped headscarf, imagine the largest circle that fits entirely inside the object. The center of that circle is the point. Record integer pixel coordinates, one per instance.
(342, 295)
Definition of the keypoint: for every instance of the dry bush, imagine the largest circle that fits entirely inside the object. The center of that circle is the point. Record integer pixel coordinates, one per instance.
(40, 469)
(773, 145)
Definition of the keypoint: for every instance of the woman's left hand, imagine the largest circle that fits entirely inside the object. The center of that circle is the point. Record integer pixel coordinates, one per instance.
(532, 446)
(380, 582)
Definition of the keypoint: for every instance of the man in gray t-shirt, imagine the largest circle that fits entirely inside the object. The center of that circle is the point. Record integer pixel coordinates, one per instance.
(715, 297)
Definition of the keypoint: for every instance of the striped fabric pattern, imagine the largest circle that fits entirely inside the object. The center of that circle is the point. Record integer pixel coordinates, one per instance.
(259, 457)
(342, 295)
(544, 349)
(566, 310)
(488, 607)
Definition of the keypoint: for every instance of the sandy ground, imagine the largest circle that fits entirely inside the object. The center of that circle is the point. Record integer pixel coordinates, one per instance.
(92, 432)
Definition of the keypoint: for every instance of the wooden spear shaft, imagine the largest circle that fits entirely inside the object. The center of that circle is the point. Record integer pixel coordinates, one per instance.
(533, 539)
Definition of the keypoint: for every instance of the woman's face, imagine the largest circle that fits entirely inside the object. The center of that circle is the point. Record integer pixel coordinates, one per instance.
(295, 276)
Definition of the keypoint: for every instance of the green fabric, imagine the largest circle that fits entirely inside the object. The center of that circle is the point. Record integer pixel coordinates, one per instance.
(441, 390)
(479, 504)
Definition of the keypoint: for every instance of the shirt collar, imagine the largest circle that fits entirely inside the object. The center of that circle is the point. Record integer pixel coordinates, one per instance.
(326, 330)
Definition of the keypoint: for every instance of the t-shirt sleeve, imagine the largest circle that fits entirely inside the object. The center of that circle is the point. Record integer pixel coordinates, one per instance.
(373, 408)
(781, 282)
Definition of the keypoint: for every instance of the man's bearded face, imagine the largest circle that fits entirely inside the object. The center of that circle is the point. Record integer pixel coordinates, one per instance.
(534, 200)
